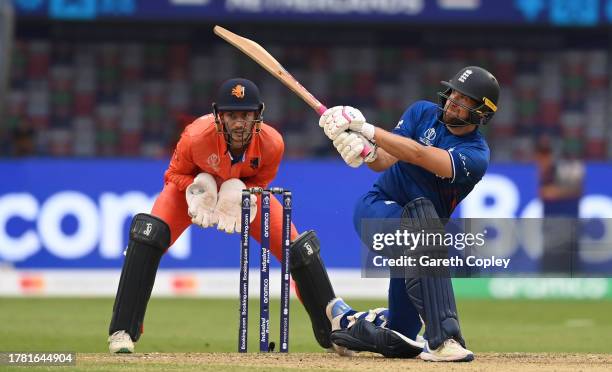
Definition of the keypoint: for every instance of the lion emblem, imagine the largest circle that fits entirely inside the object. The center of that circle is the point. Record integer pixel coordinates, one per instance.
(238, 91)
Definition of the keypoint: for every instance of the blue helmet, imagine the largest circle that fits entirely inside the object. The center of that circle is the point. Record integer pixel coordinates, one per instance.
(238, 95)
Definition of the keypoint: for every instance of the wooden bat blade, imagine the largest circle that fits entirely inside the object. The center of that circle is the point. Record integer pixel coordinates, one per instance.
(257, 53)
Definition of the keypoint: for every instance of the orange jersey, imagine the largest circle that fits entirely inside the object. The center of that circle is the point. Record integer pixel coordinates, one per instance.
(202, 149)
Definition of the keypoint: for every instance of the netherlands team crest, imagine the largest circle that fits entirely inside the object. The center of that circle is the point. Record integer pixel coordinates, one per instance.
(238, 91)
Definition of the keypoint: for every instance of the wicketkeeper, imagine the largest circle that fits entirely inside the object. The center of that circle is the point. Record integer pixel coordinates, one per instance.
(217, 156)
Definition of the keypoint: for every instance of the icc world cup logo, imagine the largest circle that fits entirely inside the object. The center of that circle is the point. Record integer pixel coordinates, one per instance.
(213, 161)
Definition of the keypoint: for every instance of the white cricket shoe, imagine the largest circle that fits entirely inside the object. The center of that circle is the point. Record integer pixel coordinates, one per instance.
(120, 342)
(449, 351)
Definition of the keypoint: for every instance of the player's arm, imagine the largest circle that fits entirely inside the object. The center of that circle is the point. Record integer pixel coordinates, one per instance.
(383, 161)
(571, 185)
(342, 119)
(554, 192)
(182, 169)
(435, 160)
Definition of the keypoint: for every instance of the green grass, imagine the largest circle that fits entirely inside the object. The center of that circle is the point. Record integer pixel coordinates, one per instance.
(207, 325)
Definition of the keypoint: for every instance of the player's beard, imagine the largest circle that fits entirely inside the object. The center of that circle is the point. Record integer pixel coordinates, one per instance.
(450, 119)
(240, 138)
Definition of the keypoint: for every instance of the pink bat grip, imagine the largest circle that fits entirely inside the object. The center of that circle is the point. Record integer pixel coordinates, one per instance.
(366, 151)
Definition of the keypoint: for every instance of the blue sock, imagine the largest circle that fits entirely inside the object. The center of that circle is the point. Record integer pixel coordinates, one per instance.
(403, 316)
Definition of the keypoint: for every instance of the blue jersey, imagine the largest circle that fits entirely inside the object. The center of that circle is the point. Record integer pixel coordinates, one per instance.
(469, 155)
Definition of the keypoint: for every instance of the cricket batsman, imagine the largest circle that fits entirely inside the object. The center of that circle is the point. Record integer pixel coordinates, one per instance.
(217, 156)
(429, 163)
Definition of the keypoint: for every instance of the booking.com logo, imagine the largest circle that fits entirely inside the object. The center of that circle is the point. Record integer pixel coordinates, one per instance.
(98, 225)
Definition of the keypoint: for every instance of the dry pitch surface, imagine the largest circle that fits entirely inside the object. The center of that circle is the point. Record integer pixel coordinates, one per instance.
(331, 362)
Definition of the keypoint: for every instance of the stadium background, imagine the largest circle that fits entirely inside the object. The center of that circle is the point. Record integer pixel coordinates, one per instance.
(98, 91)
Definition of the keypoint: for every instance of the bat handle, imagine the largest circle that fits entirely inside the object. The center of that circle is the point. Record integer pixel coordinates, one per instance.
(321, 109)
(366, 151)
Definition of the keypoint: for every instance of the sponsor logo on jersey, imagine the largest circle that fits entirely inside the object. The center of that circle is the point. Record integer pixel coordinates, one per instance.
(254, 163)
(465, 168)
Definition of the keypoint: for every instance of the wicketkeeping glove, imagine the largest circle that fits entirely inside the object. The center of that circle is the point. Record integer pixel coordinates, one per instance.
(201, 198)
(228, 210)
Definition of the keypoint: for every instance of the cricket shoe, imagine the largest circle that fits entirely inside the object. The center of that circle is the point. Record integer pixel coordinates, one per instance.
(120, 343)
(449, 351)
(337, 312)
(366, 336)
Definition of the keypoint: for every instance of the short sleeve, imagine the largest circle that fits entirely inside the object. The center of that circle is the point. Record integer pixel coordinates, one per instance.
(406, 126)
(469, 164)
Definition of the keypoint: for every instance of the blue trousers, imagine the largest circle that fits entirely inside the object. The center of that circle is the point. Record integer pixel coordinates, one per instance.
(403, 316)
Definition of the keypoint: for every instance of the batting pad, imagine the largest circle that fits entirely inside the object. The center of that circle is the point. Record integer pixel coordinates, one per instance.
(149, 238)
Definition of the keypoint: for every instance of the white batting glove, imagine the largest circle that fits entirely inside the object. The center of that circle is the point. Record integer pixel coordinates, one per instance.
(339, 119)
(326, 120)
(228, 210)
(350, 145)
(201, 198)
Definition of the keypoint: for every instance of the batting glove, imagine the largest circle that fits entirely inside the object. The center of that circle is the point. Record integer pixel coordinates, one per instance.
(339, 119)
(350, 145)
